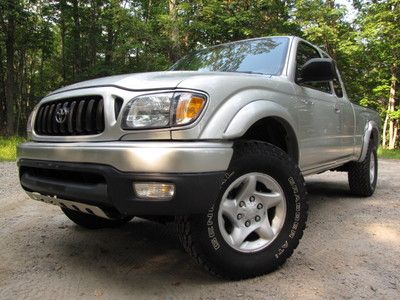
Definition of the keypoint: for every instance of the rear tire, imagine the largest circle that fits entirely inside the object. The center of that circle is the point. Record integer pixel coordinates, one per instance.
(239, 238)
(93, 222)
(363, 175)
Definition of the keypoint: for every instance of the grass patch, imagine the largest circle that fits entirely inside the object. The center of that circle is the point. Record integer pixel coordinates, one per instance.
(8, 147)
(386, 153)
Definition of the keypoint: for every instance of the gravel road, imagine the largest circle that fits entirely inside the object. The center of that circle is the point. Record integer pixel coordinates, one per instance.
(350, 249)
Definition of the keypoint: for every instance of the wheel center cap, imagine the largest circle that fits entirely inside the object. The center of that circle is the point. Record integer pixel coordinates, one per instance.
(252, 210)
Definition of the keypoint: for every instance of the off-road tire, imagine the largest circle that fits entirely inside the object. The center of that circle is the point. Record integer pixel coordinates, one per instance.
(93, 222)
(200, 234)
(359, 174)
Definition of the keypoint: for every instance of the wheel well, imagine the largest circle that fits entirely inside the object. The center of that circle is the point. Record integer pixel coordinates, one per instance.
(275, 131)
(375, 137)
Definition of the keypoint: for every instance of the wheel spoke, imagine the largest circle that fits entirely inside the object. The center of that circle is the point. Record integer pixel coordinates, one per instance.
(269, 199)
(229, 209)
(372, 168)
(265, 230)
(248, 188)
(239, 234)
(243, 212)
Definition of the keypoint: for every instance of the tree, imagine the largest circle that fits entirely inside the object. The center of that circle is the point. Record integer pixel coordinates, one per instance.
(45, 44)
(10, 11)
(323, 23)
(380, 32)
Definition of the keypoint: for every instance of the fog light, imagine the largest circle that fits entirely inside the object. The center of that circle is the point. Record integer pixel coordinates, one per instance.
(154, 190)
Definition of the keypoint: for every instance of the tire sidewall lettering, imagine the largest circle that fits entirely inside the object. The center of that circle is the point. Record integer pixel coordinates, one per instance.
(215, 244)
(211, 231)
(297, 215)
(211, 218)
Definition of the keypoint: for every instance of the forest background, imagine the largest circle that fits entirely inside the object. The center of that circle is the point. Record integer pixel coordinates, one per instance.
(48, 44)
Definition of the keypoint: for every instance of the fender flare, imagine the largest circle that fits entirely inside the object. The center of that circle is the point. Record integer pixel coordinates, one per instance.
(253, 112)
(257, 110)
(370, 127)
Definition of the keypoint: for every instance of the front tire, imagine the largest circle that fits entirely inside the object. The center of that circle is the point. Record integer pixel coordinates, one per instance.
(257, 220)
(93, 222)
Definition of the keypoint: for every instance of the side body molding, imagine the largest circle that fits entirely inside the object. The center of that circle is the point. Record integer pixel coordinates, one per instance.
(370, 127)
(253, 112)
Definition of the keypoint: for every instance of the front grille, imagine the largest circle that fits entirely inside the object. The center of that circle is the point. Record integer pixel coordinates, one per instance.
(71, 116)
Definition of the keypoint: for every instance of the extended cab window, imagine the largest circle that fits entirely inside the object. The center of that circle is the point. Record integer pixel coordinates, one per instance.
(337, 85)
(304, 53)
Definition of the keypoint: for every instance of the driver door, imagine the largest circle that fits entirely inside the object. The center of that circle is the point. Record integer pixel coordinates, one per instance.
(319, 122)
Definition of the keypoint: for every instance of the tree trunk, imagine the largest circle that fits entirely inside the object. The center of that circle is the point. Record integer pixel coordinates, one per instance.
(10, 78)
(20, 74)
(384, 130)
(2, 94)
(391, 108)
(62, 32)
(93, 31)
(395, 134)
(77, 39)
(109, 45)
(174, 30)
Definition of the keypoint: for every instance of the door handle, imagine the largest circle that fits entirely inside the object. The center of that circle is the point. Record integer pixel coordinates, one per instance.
(337, 108)
(307, 102)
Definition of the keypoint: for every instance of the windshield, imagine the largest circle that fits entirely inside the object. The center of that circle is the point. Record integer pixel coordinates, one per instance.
(261, 56)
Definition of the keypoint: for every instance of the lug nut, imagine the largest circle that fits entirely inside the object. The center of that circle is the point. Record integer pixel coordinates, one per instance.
(257, 218)
(247, 223)
(239, 216)
(252, 198)
(241, 203)
(259, 206)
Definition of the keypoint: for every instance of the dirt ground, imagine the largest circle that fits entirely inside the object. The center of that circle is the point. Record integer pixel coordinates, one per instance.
(350, 249)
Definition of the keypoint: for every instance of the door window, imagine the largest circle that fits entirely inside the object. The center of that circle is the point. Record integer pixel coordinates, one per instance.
(304, 53)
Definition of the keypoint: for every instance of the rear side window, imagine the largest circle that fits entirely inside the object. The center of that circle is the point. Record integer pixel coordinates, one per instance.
(338, 87)
(304, 53)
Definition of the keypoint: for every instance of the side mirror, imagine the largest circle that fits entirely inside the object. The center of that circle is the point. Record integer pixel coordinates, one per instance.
(317, 70)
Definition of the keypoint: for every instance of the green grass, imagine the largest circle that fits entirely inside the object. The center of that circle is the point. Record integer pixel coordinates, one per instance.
(8, 147)
(386, 153)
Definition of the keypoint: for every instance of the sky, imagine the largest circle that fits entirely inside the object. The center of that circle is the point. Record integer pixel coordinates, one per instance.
(351, 12)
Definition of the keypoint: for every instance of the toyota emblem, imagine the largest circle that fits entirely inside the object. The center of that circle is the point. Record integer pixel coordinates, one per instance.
(61, 115)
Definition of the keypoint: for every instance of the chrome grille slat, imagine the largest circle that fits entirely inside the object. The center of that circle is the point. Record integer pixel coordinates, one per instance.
(39, 119)
(89, 115)
(99, 114)
(79, 127)
(84, 116)
(71, 118)
(55, 124)
(51, 116)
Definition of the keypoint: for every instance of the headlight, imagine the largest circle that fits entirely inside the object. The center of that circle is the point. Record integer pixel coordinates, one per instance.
(162, 110)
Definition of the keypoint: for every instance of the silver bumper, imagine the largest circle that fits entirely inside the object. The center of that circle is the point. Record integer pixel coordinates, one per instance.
(159, 157)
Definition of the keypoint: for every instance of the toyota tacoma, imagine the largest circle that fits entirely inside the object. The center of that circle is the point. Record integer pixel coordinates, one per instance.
(219, 143)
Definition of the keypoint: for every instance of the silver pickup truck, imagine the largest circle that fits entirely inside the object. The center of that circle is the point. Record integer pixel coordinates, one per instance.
(219, 144)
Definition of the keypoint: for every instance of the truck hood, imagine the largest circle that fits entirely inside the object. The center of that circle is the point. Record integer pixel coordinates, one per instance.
(147, 81)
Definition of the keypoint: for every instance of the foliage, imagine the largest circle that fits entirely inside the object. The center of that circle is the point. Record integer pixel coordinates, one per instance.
(46, 44)
(389, 153)
(8, 147)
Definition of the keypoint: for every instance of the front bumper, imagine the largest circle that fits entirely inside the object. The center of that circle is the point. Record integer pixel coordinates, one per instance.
(102, 174)
(158, 157)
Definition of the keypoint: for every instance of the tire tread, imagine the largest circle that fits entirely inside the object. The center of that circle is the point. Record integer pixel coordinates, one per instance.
(358, 175)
